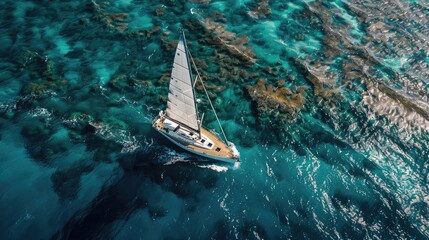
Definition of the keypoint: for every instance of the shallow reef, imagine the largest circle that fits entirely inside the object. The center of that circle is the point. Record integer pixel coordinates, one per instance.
(326, 101)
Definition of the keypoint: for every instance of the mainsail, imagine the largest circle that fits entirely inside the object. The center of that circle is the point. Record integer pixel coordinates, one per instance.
(181, 101)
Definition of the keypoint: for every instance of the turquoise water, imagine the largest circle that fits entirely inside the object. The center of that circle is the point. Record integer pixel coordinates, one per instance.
(327, 102)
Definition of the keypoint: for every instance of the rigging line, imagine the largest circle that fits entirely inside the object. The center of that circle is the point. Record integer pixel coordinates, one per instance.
(205, 91)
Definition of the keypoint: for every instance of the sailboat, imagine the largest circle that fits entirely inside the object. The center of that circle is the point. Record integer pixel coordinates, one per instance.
(180, 121)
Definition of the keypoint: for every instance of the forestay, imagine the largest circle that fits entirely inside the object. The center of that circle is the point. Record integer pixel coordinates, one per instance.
(181, 100)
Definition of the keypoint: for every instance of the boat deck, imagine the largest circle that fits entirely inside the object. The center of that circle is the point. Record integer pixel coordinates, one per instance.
(217, 143)
(224, 150)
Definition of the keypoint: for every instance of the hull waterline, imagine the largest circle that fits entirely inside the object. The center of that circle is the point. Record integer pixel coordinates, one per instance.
(192, 148)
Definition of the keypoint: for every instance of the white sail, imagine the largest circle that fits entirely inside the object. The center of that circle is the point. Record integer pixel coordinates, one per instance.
(181, 100)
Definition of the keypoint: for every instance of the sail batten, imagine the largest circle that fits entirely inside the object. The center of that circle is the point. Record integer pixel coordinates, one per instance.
(181, 100)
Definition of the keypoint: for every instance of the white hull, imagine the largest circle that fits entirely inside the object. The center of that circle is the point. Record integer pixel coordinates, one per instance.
(228, 160)
(187, 140)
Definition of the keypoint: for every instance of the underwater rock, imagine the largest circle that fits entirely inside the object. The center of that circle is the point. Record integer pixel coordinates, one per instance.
(261, 11)
(212, 90)
(117, 21)
(105, 127)
(351, 70)
(96, 88)
(277, 102)
(43, 88)
(36, 130)
(105, 151)
(126, 83)
(336, 43)
(199, 1)
(36, 89)
(141, 83)
(403, 100)
(66, 182)
(119, 17)
(200, 64)
(113, 21)
(120, 82)
(159, 11)
(42, 74)
(164, 79)
(216, 34)
(270, 71)
(218, 16)
(78, 120)
(34, 62)
(36, 134)
(143, 33)
(27, 57)
(226, 62)
(244, 75)
(96, 220)
(320, 88)
(281, 83)
(44, 134)
(167, 45)
(79, 127)
(254, 75)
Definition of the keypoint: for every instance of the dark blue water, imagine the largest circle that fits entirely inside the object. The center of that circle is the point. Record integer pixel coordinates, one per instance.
(327, 102)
